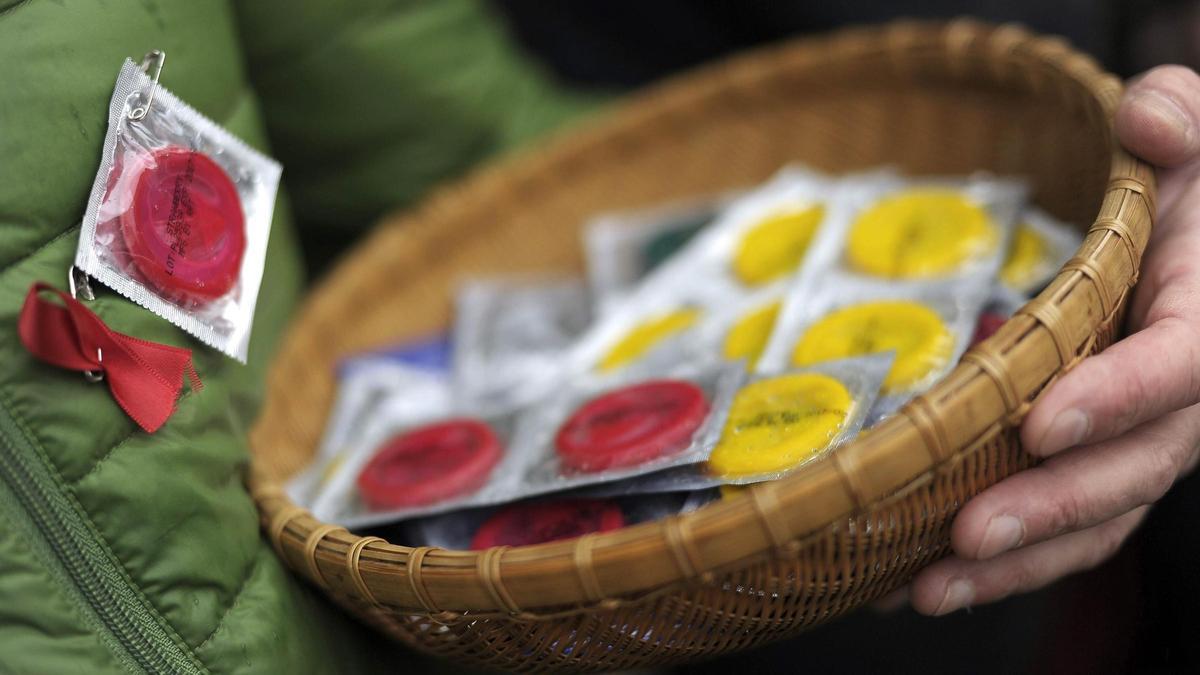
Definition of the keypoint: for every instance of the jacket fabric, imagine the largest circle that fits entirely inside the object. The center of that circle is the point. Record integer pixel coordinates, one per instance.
(121, 550)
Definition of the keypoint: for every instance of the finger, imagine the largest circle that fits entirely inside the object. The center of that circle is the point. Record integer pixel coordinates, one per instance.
(954, 583)
(1078, 489)
(1158, 117)
(1148, 374)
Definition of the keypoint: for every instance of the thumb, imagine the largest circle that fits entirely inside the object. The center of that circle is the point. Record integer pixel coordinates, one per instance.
(1159, 117)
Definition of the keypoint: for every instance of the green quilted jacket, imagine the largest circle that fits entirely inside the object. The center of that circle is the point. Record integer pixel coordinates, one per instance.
(126, 551)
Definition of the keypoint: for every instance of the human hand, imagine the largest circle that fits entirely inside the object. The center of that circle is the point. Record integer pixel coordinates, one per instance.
(1124, 425)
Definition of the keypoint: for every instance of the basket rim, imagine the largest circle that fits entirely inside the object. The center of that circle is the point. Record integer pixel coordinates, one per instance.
(591, 571)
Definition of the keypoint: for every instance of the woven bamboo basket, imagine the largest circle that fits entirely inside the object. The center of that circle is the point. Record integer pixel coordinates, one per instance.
(927, 97)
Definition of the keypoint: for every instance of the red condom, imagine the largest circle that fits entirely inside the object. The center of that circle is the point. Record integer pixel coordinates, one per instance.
(430, 464)
(184, 228)
(540, 522)
(631, 426)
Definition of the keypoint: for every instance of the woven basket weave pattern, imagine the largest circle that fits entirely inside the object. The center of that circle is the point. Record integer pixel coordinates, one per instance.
(928, 98)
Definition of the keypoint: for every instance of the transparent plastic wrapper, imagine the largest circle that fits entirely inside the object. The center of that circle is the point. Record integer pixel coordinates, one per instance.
(603, 429)
(622, 248)
(179, 214)
(407, 464)
(591, 431)
(777, 423)
(649, 330)
(1041, 245)
(538, 521)
(511, 336)
(739, 330)
(413, 376)
(928, 327)
(764, 236)
(919, 232)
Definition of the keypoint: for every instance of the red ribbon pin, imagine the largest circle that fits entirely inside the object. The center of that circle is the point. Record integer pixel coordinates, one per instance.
(144, 377)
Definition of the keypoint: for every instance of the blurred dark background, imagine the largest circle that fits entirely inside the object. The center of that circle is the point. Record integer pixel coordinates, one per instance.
(626, 43)
(1135, 614)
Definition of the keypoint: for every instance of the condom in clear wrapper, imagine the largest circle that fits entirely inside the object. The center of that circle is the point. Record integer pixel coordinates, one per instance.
(762, 237)
(179, 214)
(927, 327)
(406, 464)
(649, 330)
(414, 374)
(512, 335)
(739, 330)
(917, 232)
(1040, 246)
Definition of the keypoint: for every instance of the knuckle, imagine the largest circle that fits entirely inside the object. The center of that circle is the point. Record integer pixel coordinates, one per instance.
(1067, 512)
(1024, 576)
(1164, 464)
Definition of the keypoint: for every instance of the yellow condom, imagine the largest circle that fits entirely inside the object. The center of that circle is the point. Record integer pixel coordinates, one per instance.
(646, 335)
(776, 244)
(777, 423)
(916, 333)
(748, 337)
(920, 234)
(1026, 256)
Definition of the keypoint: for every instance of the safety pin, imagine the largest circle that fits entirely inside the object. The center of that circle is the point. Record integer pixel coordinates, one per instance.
(157, 58)
(81, 288)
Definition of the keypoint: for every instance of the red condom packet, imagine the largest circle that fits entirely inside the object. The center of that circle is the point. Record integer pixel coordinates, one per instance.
(179, 214)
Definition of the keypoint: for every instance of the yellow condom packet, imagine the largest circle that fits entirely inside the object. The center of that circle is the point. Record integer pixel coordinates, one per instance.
(918, 231)
(1040, 246)
(778, 422)
(765, 236)
(649, 328)
(740, 329)
(622, 248)
(927, 327)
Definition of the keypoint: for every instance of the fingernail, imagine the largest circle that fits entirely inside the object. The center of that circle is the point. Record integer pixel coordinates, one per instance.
(1168, 111)
(1003, 533)
(959, 594)
(1067, 429)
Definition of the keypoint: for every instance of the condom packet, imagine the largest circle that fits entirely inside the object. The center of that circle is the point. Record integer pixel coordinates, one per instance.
(650, 329)
(740, 329)
(511, 336)
(414, 373)
(856, 380)
(763, 236)
(846, 310)
(919, 232)
(179, 214)
(601, 429)
(1041, 245)
(621, 248)
(459, 530)
(478, 464)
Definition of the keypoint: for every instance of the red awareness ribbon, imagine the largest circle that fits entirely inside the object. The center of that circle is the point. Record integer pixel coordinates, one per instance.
(144, 377)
